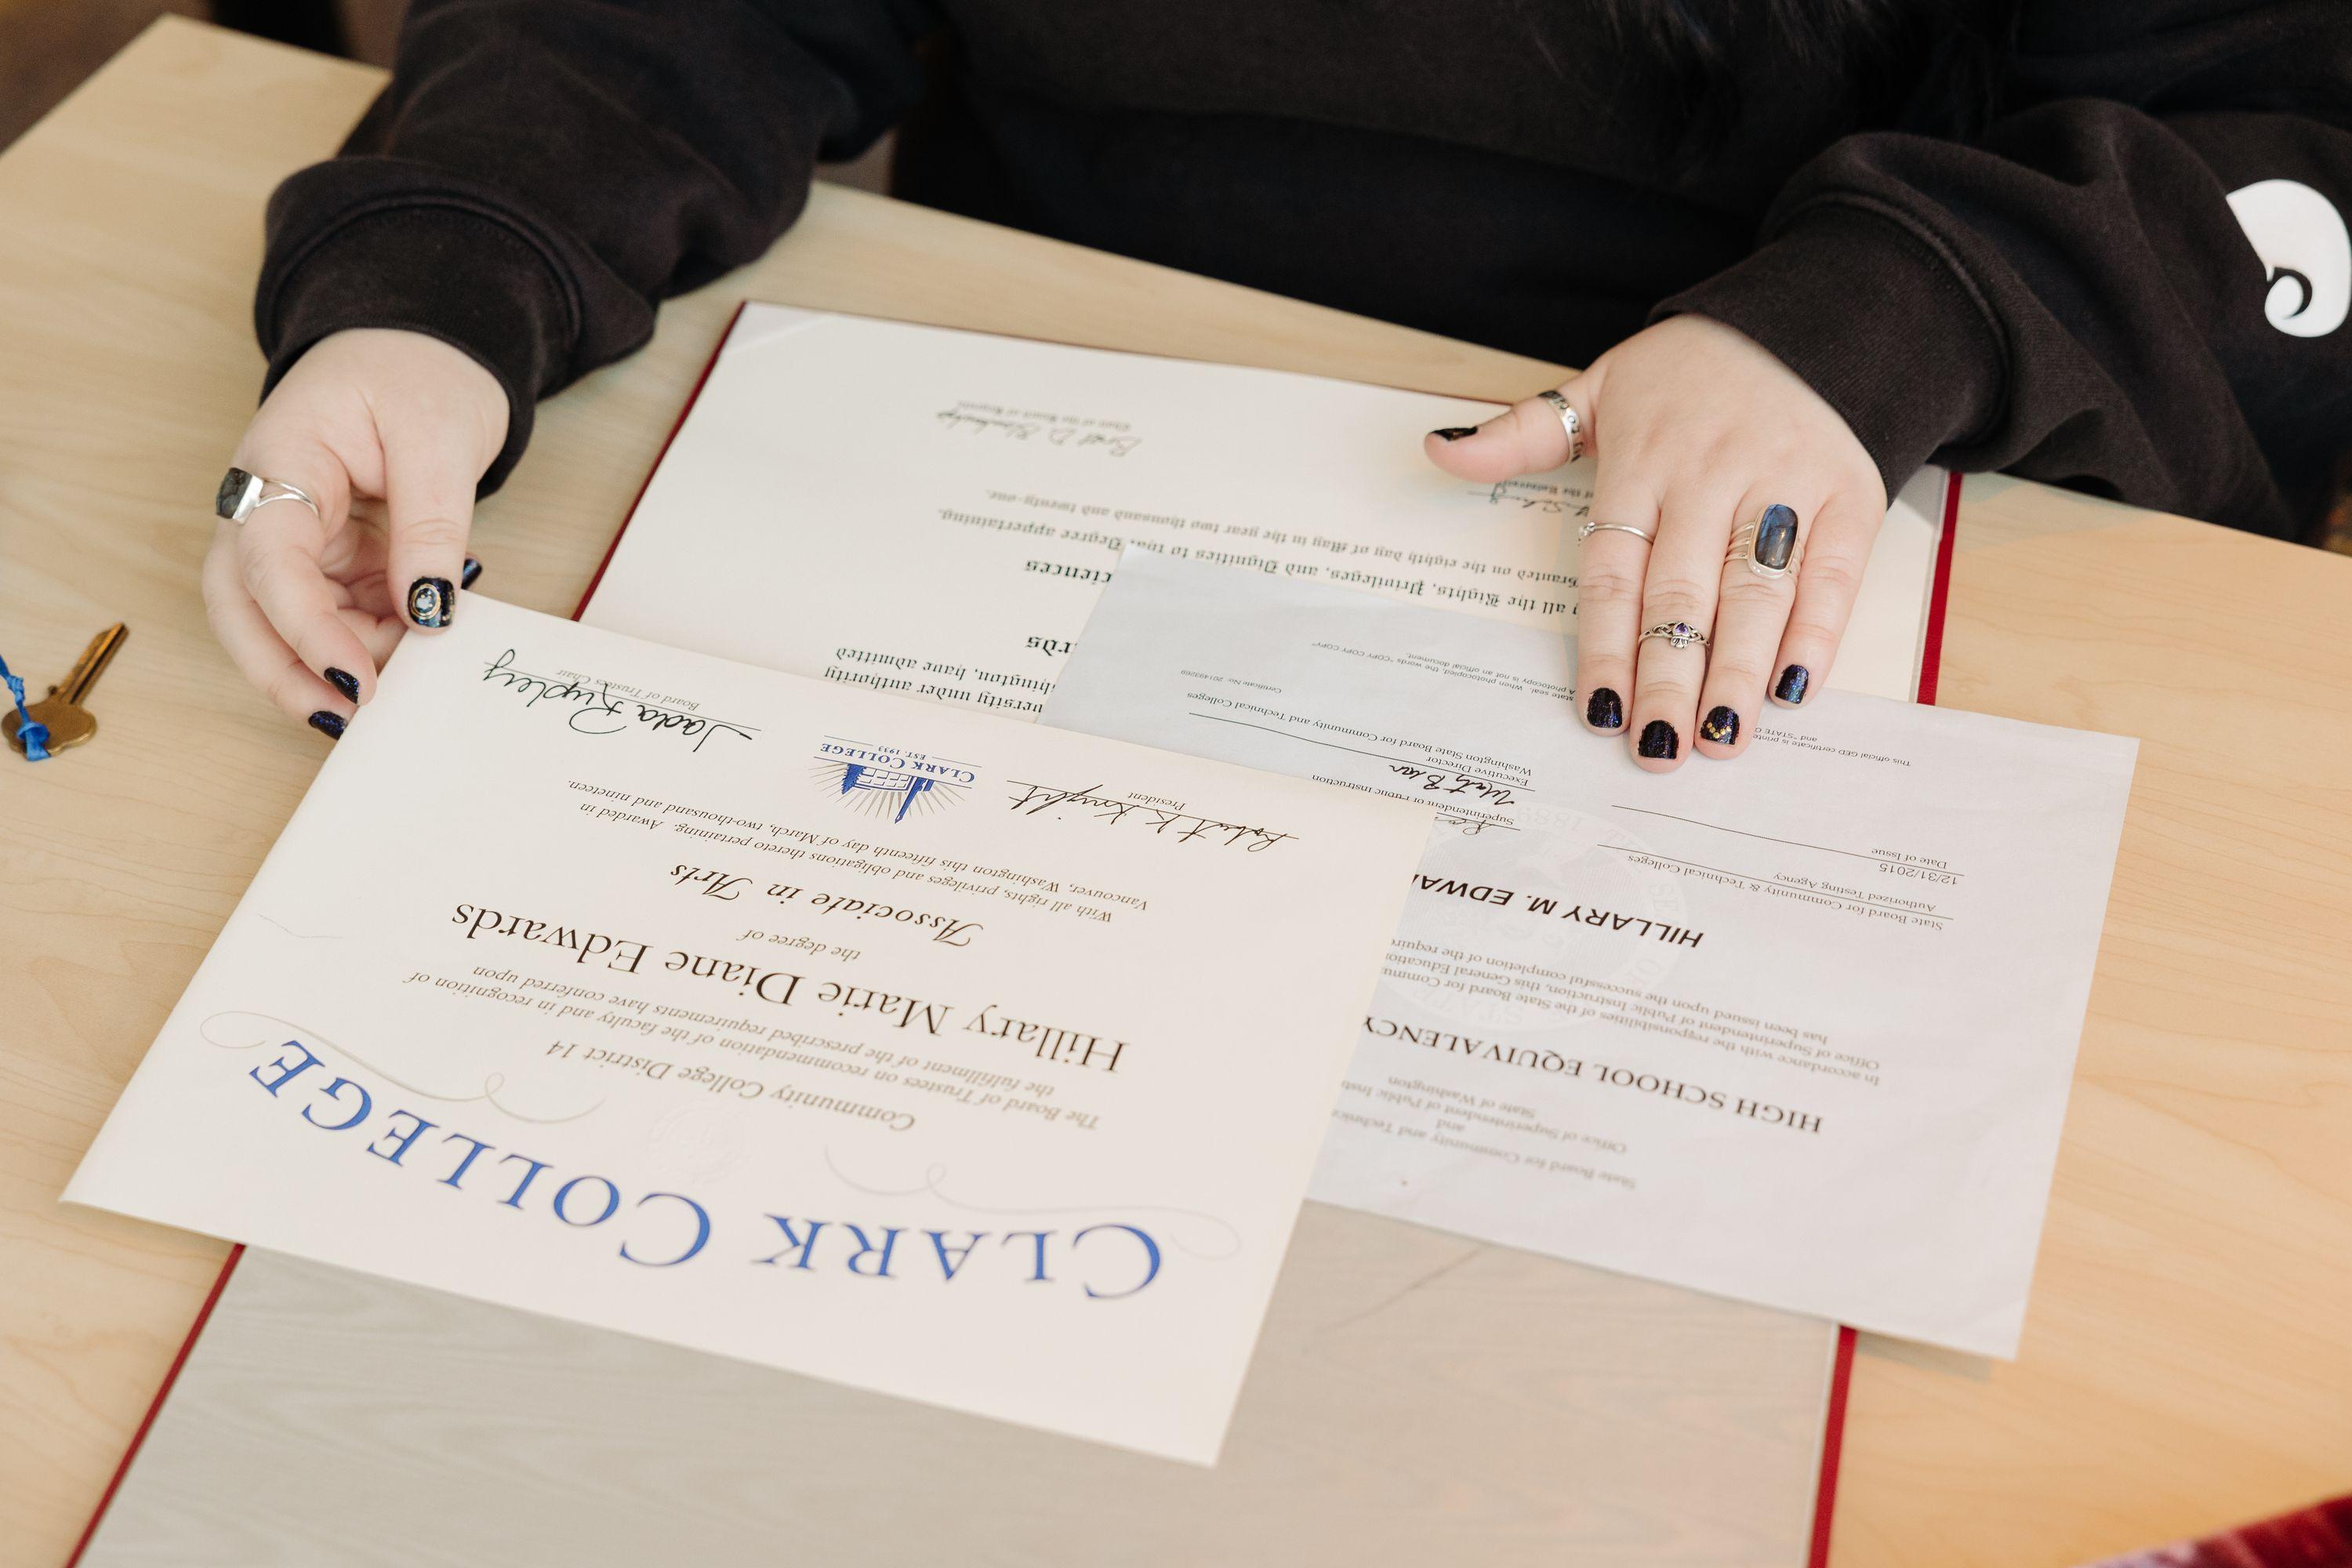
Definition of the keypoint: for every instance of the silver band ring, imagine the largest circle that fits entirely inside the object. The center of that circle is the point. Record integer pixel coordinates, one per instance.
(1590, 528)
(1678, 634)
(242, 494)
(1568, 422)
(1768, 543)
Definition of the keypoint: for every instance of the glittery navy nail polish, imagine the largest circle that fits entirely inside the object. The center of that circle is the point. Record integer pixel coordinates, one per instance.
(1791, 688)
(1455, 432)
(473, 570)
(343, 681)
(1659, 740)
(430, 601)
(328, 724)
(1722, 727)
(1605, 709)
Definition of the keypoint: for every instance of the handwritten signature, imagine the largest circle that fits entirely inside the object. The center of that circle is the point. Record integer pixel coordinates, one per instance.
(1440, 781)
(1533, 495)
(1022, 429)
(594, 708)
(1166, 821)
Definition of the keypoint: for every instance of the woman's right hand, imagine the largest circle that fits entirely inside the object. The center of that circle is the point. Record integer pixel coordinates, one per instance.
(390, 432)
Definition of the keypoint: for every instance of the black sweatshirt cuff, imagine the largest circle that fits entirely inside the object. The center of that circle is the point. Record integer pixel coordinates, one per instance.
(1877, 319)
(444, 268)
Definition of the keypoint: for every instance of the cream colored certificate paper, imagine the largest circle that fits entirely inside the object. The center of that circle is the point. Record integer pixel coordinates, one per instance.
(933, 513)
(1796, 1028)
(977, 1063)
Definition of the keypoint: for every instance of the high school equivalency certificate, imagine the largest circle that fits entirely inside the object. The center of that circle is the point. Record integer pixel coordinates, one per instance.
(1796, 1028)
(974, 1062)
(933, 513)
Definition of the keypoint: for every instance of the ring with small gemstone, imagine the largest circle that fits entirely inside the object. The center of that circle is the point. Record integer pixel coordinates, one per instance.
(1568, 422)
(1678, 634)
(1590, 528)
(242, 494)
(1768, 544)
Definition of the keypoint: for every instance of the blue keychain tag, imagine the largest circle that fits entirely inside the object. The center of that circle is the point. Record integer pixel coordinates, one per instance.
(34, 736)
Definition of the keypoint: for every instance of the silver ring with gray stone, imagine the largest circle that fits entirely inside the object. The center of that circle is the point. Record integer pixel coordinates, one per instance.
(1768, 544)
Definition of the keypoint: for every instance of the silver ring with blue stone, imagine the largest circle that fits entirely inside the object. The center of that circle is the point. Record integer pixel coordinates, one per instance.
(242, 494)
(1768, 544)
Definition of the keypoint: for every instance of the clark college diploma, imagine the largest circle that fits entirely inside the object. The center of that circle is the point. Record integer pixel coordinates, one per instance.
(963, 1060)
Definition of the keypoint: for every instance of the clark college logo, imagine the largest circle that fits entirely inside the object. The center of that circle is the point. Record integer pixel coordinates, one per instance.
(888, 782)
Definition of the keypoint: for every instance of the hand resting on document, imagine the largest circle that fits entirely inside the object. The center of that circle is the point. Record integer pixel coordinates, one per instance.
(1696, 430)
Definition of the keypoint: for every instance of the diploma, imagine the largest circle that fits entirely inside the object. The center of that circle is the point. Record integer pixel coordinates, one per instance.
(933, 513)
(1797, 1029)
(976, 1063)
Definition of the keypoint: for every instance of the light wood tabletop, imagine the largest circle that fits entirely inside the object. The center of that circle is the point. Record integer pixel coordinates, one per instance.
(2187, 1362)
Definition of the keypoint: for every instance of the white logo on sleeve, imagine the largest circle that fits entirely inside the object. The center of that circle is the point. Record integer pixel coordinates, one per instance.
(2301, 239)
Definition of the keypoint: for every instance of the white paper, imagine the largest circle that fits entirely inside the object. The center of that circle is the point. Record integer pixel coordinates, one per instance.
(933, 513)
(1796, 1028)
(1012, 1012)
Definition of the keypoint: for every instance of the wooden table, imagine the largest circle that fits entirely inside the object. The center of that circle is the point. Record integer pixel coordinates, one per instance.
(2188, 1359)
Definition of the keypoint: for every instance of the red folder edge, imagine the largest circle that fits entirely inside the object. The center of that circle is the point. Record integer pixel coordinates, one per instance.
(1931, 657)
(155, 1407)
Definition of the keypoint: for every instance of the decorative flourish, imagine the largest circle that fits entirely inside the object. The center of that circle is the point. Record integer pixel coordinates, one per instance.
(934, 1175)
(271, 1026)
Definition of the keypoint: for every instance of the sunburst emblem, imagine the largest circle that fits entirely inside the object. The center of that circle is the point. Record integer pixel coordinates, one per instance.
(889, 792)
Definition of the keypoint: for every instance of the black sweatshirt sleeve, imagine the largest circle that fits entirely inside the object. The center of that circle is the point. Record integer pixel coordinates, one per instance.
(2134, 283)
(539, 172)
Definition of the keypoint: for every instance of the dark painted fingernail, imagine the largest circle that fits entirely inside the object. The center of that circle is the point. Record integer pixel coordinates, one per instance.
(429, 600)
(1793, 684)
(1455, 432)
(1776, 538)
(328, 724)
(1659, 740)
(1722, 727)
(1606, 711)
(473, 570)
(344, 681)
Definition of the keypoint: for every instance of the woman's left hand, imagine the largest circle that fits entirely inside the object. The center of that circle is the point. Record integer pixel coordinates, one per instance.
(1696, 430)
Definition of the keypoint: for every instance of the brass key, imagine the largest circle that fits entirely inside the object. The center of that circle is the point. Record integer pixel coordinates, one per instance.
(69, 722)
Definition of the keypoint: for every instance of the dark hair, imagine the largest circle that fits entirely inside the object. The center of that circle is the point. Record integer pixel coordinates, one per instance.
(1877, 54)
